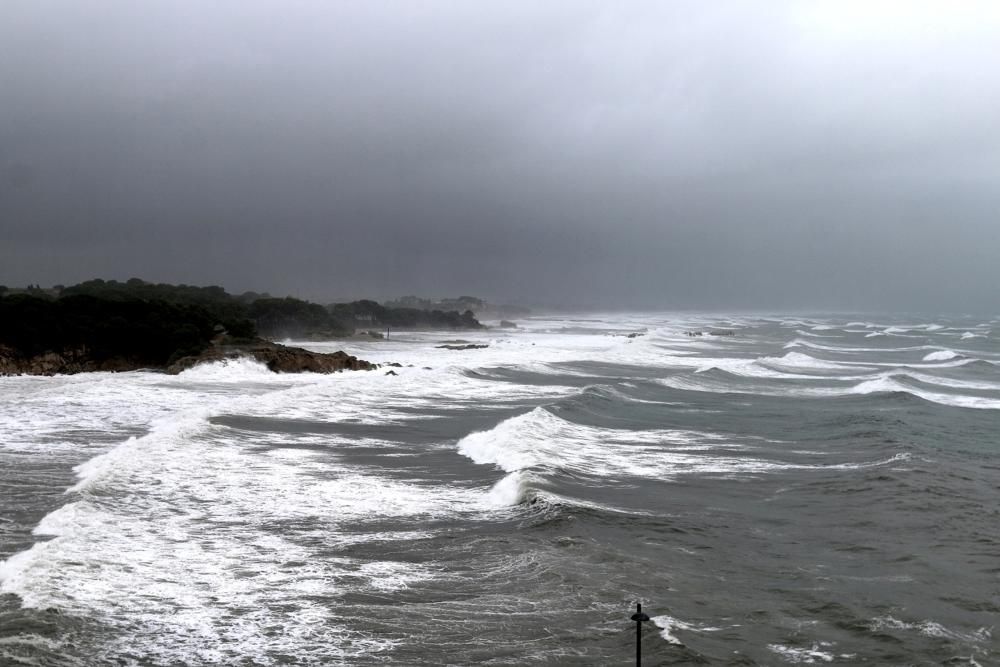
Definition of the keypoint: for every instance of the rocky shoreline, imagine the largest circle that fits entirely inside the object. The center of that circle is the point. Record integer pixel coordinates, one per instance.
(277, 358)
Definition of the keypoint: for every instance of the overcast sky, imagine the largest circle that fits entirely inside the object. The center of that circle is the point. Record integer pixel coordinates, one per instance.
(664, 154)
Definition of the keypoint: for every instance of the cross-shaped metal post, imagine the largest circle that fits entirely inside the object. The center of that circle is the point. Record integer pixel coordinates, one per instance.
(639, 619)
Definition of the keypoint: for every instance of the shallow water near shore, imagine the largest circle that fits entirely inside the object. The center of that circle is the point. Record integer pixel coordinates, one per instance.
(809, 490)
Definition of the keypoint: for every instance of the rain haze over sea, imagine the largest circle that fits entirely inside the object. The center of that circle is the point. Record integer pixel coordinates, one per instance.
(807, 490)
(811, 186)
(833, 155)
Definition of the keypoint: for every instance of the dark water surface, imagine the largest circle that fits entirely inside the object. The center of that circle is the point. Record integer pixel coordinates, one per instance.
(806, 491)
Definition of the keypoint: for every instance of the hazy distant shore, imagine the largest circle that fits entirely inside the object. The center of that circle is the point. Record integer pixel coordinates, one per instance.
(114, 326)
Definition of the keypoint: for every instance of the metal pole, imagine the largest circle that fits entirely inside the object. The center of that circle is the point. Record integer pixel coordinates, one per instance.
(639, 618)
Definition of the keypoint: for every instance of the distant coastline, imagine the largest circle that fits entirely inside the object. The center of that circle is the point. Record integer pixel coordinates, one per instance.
(123, 326)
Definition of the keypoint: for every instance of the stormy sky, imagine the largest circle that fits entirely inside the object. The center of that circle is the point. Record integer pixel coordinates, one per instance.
(753, 155)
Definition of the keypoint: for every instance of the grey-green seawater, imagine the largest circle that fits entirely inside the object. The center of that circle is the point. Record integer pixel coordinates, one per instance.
(809, 490)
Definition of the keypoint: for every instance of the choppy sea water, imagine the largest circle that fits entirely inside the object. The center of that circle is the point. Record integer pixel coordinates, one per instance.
(810, 490)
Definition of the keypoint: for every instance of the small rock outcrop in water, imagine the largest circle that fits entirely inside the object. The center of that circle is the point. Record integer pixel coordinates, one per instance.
(278, 358)
(469, 346)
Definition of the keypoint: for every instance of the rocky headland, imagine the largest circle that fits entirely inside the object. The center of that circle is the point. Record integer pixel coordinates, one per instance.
(277, 358)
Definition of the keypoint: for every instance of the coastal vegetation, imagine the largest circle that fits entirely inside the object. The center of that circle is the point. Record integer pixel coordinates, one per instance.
(112, 325)
(143, 333)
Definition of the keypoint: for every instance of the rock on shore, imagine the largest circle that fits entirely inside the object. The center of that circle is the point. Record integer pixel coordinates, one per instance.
(66, 362)
(278, 358)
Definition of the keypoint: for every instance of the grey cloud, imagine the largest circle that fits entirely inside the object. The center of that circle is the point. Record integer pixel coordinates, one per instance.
(752, 155)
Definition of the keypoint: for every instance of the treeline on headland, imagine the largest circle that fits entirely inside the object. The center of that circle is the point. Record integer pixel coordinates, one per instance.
(111, 325)
(461, 304)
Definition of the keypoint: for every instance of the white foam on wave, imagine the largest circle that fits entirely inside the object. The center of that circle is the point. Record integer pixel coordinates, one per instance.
(942, 355)
(179, 513)
(668, 625)
(183, 513)
(949, 382)
(930, 628)
(888, 384)
(189, 538)
(797, 655)
(163, 430)
(951, 363)
(883, 383)
(513, 489)
(805, 362)
(240, 369)
(845, 349)
(539, 441)
(811, 334)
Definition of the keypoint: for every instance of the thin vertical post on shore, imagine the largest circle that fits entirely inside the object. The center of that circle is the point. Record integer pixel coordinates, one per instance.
(639, 618)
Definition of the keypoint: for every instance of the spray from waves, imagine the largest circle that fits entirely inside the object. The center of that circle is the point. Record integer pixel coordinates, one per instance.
(230, 370)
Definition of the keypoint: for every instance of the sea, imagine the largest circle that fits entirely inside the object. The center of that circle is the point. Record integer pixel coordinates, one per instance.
(801, 489)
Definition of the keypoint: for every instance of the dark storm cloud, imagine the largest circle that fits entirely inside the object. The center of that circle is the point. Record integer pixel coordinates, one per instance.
(750, 155)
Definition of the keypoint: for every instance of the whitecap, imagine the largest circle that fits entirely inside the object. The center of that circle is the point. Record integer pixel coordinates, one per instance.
(513, 489)
(239, 369)
(668, 625)
(887, 384)
(804, 361)
(807, 656)
(941, 355)
(930, 628)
